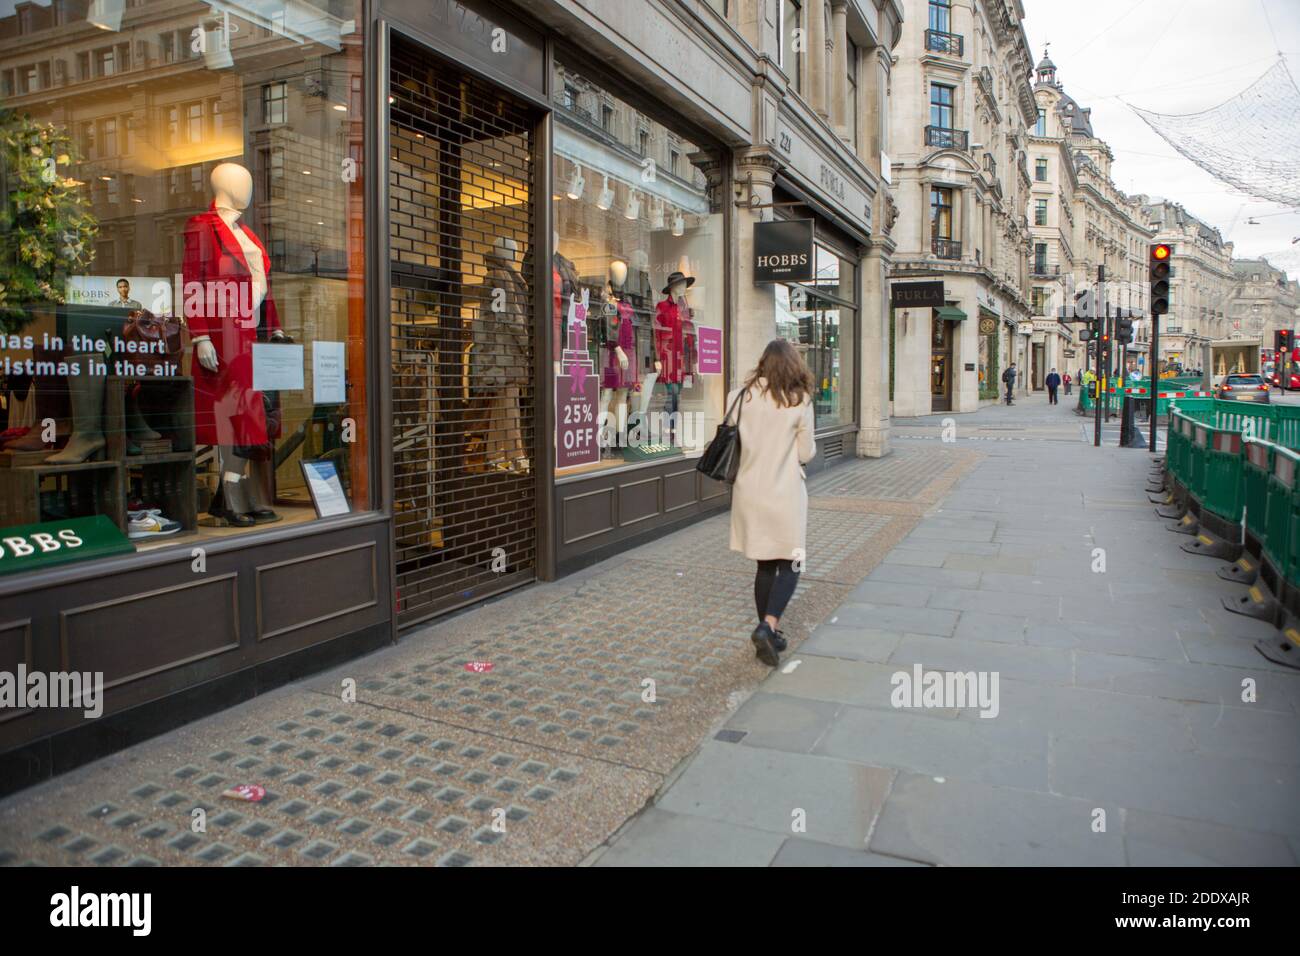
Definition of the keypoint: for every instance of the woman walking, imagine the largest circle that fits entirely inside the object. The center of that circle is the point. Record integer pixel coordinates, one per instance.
(769, 504)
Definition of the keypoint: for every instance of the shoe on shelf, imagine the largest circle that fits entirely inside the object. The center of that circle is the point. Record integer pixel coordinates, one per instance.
(763, 646)
(150, 524)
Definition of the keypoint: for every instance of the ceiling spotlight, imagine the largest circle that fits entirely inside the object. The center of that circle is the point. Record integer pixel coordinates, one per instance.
(606, 197)
(576, 183)
(340, 107)
(633, 210)
(679, 225)
(657, 216)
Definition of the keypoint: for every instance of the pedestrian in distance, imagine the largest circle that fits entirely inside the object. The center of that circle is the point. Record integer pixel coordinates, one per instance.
(769, 502)
(1009, 380)
(1068, 381)
(1053, 382)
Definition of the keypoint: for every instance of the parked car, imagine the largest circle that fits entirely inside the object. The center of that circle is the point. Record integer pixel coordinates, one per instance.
(1244, 388)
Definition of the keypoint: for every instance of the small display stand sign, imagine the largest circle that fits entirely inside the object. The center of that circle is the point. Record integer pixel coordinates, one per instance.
(327, 492)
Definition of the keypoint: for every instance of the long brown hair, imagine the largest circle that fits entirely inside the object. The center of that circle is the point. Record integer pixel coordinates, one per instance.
(788, 378)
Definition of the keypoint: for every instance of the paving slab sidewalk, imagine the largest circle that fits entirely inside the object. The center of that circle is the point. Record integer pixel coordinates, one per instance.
(1135, 723)
(538, 761)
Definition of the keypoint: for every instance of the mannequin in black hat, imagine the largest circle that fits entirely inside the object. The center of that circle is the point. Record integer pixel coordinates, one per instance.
(674, 333)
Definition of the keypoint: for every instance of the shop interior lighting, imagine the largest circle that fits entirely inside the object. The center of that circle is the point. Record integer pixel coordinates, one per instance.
(606, 197)
(633, 210)
(679, 225)
(576, 183)
(657, 216)
(106, 14)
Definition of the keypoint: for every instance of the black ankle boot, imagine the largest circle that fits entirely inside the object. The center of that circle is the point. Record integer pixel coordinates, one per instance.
(763, 645)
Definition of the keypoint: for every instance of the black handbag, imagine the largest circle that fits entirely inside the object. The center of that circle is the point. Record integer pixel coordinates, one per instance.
(721, 459)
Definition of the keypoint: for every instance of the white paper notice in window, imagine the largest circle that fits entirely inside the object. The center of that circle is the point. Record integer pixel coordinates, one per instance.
(328, 373)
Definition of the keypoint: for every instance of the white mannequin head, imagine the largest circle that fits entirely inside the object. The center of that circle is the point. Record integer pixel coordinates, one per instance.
(505, 249)
(617, 273)
(232, 186)
(678, 289)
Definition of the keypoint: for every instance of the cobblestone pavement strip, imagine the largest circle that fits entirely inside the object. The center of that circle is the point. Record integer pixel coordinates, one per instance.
(556, 739)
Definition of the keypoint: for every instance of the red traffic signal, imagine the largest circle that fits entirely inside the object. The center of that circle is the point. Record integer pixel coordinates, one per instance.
(1161, 251)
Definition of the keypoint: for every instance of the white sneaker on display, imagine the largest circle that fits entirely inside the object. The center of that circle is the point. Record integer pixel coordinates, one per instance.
(150, 523)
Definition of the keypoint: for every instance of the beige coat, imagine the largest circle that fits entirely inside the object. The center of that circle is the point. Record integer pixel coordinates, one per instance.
(769, 504)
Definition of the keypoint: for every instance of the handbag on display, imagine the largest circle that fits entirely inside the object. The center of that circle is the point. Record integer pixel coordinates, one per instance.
(721, 459)
(160, 333)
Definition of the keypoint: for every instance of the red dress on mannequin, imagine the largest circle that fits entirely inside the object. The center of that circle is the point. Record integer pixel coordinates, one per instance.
(217, 302)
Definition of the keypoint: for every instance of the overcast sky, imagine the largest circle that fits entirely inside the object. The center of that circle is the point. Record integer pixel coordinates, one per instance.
(1112, 52)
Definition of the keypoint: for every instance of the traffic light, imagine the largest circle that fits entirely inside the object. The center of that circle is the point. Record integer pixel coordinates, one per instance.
(1124, 330)
(1088, 332)
(1282, 340)
(1160, 271)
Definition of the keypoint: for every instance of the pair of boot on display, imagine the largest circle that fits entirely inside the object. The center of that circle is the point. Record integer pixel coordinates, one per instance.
(87, 441)
(240, 501)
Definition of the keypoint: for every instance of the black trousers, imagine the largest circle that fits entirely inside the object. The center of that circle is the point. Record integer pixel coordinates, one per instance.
(774, 585)
(1051, 396)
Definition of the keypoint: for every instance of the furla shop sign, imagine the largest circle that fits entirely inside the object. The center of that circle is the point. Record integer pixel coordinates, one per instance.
(783, 250)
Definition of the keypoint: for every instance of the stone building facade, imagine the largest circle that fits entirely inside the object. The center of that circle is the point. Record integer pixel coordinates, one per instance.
(1202, 287)
(961, 107)
(1263, 302)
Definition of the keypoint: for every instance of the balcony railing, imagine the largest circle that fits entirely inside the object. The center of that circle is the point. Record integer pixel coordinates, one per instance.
(945, 138)
(1042, 270)
(939, 42)
(945, 248)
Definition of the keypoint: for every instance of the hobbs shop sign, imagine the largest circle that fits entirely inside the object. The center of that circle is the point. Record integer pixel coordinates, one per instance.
(783, 251)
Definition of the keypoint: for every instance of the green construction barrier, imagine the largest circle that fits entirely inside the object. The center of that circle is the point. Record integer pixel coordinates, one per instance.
(1254, 481)
(1286, 426)
(1281, 519)
(1175, 447)
(1253, 420)
(1197, 452)
(1223, 479)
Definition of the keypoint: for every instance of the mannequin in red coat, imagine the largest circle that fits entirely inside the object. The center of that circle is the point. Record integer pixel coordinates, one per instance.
(674, 331)
(227, 302)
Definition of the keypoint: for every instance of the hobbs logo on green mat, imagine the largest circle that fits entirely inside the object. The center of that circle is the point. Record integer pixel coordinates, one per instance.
(31, 546)
(942, 689)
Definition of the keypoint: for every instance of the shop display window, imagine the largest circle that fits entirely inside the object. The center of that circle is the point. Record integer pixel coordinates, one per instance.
(638, 318)
(181, 261)
(820, 319)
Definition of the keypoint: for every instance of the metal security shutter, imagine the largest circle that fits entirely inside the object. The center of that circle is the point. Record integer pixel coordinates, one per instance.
(461, 172)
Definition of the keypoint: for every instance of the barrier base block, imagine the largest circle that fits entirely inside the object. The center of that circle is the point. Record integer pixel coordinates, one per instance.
(1173, 511)
(1283, 649)
(1186, 525)
(1243, 570)
(1257, 602)
(1165, 499)
(1212, 547)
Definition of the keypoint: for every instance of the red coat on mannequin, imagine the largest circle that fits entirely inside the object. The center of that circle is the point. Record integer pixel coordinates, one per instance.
(674, 332)
(217, 301)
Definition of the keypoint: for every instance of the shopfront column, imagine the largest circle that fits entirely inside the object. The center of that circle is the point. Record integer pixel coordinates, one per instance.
(873, 321)
(817, 57)
(754, 315)
(968, 223)
(839, 85)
